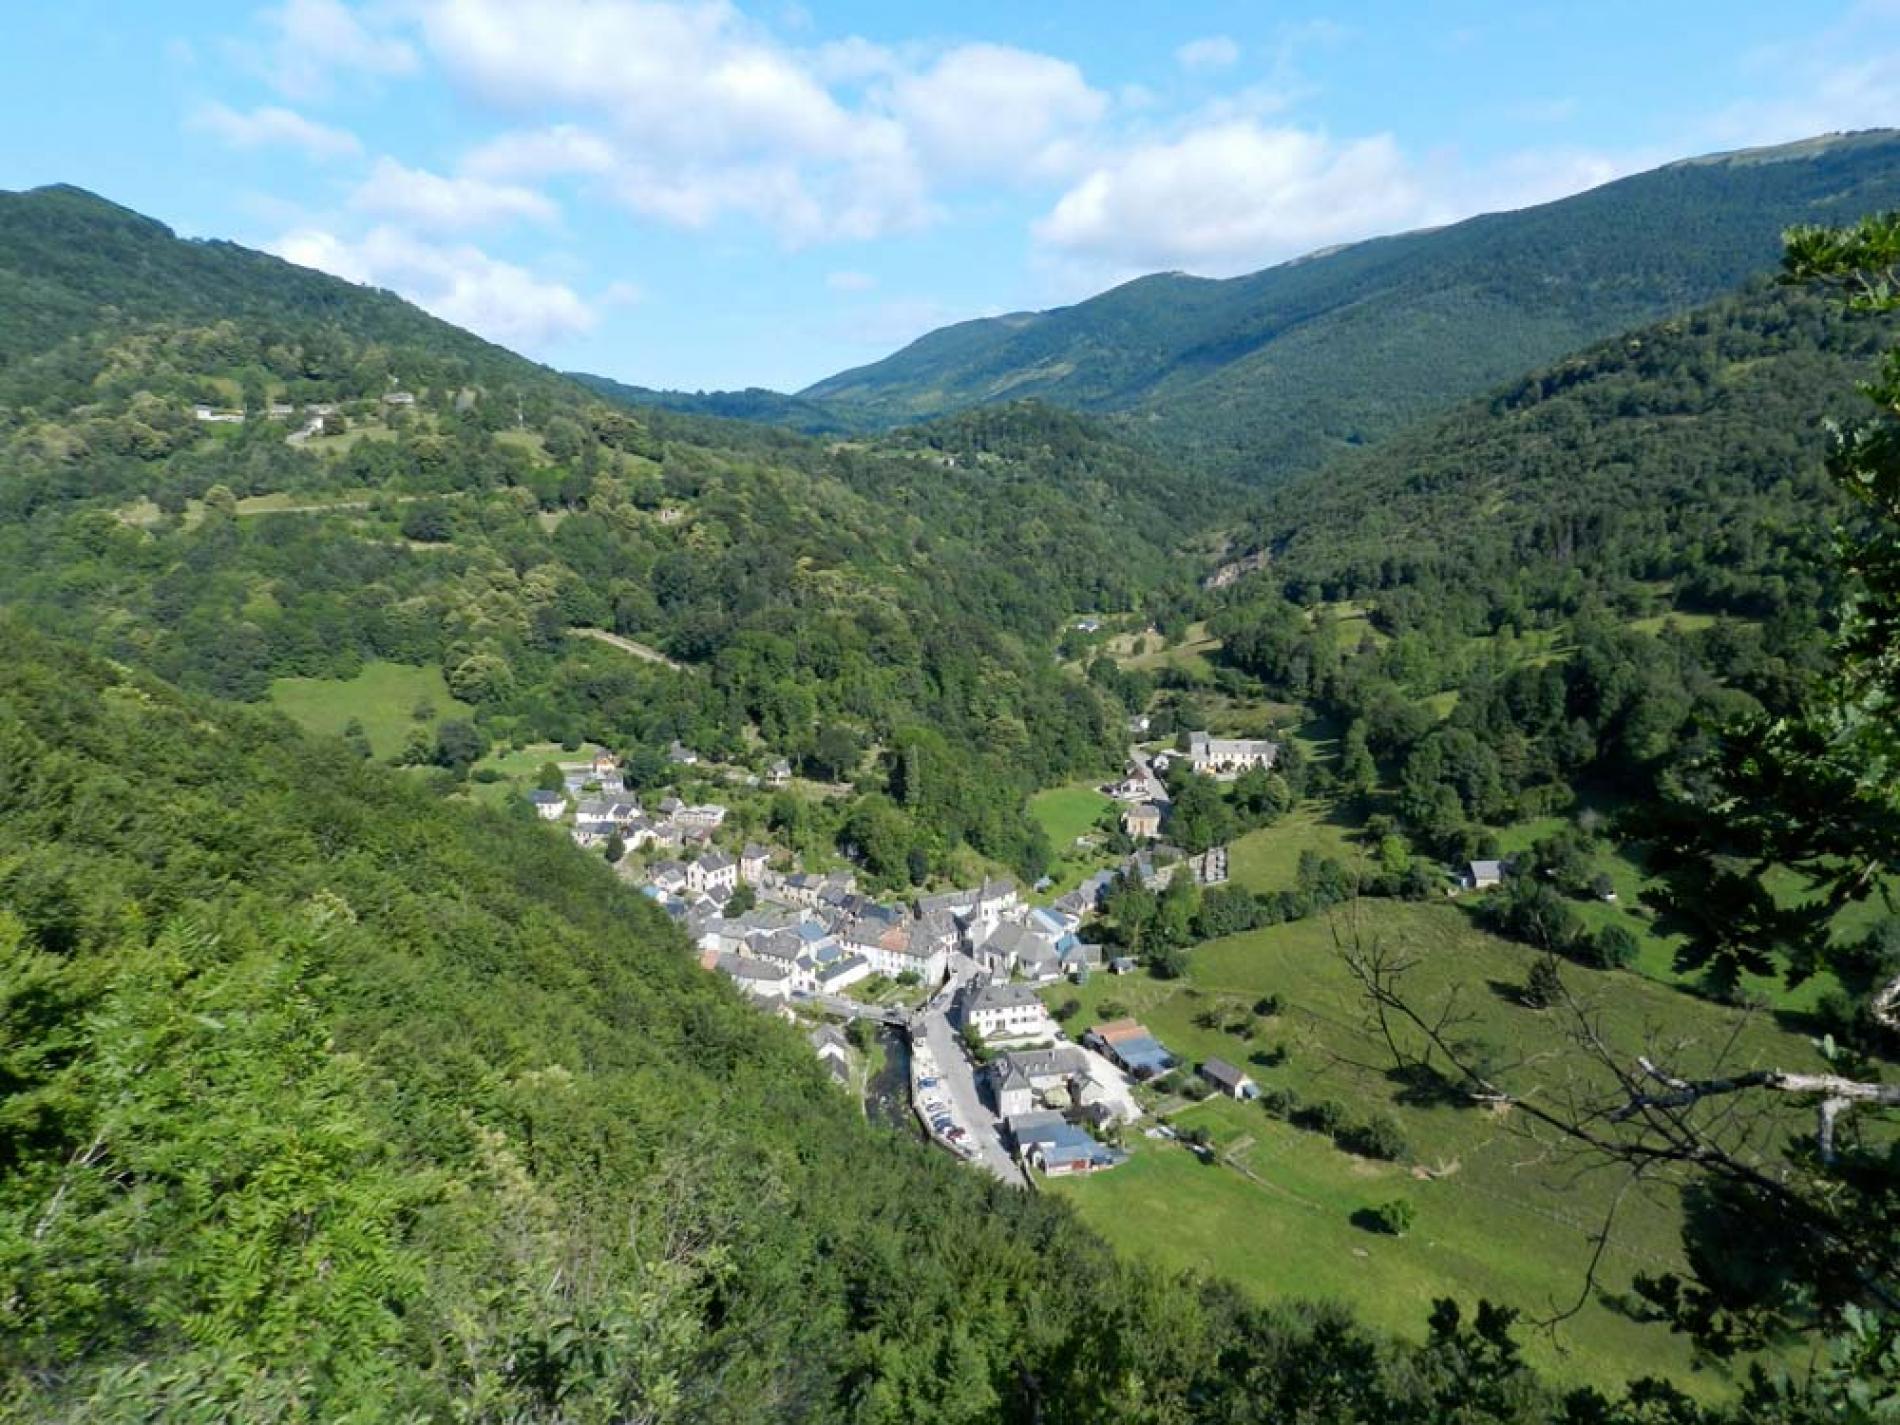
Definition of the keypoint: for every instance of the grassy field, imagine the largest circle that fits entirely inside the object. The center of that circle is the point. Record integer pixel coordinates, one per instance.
(1189, 655)
(521, 768)
(1269, 859)
(1497, 1216)
(383, 697)
(1065, 813)
(1684, 621)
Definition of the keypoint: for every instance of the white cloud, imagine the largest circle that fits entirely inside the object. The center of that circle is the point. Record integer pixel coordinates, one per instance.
(1211, 52)
(705, 112)
(271, 127)
(428, 202)
(314, 38)
(850, 281)
(984, 108)
(541, 153)
(1232, 197)
(457, 282)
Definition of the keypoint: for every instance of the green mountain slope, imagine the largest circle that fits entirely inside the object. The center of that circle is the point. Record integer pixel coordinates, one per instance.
(1684, 457)
(73, 264)
(1269, 374)
(913, 585)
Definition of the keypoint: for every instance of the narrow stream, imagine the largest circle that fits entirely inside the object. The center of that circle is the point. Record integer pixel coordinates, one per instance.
(887, 1097)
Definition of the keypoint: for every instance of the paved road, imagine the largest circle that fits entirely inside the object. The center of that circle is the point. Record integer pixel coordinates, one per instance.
(959, 1077)
(1157, 789)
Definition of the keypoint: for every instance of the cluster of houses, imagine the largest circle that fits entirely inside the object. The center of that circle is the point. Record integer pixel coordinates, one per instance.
(812, 934)
(284, 410)
(603, 808)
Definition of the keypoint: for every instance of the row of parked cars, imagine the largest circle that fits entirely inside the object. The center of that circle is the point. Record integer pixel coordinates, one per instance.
(933, 1104)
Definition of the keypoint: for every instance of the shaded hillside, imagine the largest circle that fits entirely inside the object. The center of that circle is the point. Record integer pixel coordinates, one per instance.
(1269, 374)
(754, 404)
(1685, 456)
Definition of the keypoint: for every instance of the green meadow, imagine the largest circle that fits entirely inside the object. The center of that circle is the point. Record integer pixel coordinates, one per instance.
(1500, 1215)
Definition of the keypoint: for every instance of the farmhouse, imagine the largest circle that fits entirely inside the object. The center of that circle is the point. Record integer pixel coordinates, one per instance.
(549, 806)
(1483, 875)
(1229, 756)
(1229, 1080)
(1057, 1148)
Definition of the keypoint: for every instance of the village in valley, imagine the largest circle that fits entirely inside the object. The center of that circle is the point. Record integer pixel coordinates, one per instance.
(955, 977)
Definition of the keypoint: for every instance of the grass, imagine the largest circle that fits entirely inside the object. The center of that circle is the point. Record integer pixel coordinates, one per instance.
(1065, 813)
(1189, 655)
(1686, 622)
(1496, 1217)
(382, 697)
(520, 769)
(1268, 859)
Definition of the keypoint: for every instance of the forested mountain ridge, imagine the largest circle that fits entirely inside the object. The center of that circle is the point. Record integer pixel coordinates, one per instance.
(756, 404)
(76, 265)
(1269, 374)
(1677, 465)
(321, 476)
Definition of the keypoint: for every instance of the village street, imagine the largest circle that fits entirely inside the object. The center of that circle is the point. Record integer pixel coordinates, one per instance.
(959, 1078)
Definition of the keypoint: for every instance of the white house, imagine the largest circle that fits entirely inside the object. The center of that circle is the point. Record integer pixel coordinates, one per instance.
(713, 874)
(1229, 1080)
(1483, 875)
(1143, 822)
(1227, 757)
(841, 973)
(764, 978)
(891, 950)
(549, 806)
(1004, 1011)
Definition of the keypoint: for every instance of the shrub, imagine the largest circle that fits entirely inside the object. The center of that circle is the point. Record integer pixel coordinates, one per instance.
(1378, 1137)
(1328, 1116)
(1394, 1218)
(1280, 1102)
(1612, 947)
(1543, 986)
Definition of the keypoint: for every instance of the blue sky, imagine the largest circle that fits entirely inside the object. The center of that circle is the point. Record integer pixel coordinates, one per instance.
(711, 195)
